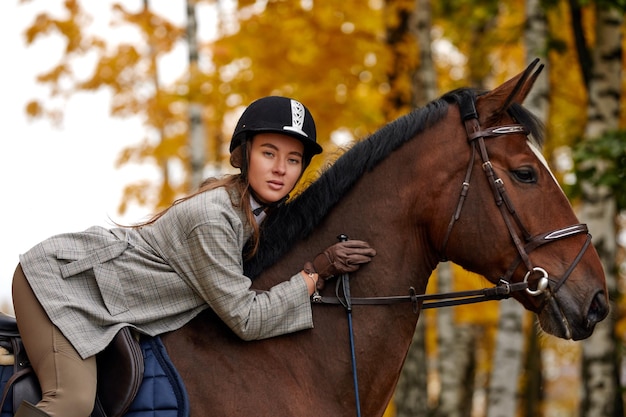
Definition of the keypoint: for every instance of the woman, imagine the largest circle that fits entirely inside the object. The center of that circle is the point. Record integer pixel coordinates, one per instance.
(72, 293)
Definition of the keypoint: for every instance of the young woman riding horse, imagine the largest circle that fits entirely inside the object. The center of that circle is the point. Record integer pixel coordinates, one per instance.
(72, 293)
(460, 179)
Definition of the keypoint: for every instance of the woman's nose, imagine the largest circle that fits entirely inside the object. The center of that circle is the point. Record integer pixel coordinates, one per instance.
(279, 166)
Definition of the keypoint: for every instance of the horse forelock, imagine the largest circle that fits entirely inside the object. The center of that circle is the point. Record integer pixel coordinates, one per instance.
(531, 122)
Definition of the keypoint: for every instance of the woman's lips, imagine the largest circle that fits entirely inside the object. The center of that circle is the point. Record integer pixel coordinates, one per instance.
(275, 185)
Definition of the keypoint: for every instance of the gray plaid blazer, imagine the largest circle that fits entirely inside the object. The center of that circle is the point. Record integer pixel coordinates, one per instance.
(159, 277)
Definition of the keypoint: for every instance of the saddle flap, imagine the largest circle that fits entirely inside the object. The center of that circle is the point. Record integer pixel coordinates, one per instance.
(8, 326)
(120, 373)
(21, 383)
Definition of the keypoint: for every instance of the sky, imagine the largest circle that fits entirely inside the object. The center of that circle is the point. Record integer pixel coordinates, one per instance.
(59, 179)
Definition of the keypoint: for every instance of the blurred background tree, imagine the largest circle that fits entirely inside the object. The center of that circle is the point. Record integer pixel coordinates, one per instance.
(357, 65)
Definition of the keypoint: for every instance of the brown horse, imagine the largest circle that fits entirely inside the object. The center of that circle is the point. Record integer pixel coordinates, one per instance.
(406, 190)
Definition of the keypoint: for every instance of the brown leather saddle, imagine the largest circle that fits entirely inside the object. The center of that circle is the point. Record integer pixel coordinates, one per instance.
(120, 371)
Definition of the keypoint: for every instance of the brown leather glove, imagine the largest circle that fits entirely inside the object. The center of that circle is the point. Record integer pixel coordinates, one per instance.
(343, 257)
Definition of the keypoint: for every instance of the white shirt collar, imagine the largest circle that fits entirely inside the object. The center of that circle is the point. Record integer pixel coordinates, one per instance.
(254, 205)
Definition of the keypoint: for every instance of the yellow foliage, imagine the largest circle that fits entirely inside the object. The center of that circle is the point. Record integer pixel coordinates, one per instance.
(34, 109)
(568, 106)
(40, 27)
(317, 56)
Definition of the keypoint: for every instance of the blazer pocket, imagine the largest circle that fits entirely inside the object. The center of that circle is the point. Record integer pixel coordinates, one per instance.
(71, 265)
(111, 290)
(99, 261)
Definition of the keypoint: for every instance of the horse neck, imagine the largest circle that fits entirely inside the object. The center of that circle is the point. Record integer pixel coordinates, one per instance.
(403, 206)
(385, 208)
(376, 211)
(392, 207)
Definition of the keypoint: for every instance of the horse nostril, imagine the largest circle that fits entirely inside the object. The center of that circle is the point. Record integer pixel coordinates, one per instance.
(598, 309)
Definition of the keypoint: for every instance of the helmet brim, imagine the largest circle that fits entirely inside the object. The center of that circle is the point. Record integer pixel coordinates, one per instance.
(310, 147)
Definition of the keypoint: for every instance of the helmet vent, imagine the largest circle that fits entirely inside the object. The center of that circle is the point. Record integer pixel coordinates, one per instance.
(297, 118)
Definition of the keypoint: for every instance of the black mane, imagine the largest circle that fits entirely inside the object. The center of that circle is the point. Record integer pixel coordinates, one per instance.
(297, 219)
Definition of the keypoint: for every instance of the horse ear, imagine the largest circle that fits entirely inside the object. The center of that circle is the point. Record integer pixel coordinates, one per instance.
(514, 90)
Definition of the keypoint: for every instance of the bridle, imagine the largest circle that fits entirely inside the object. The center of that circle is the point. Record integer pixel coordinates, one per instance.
(524, 244)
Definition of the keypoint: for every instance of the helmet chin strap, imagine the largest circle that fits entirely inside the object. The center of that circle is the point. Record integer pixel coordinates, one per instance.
(244, 158)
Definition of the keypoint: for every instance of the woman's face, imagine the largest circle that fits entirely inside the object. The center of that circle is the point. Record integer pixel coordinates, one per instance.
(275, 165)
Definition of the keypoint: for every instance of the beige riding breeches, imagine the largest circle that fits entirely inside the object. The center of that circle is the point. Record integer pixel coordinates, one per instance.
(68, 382)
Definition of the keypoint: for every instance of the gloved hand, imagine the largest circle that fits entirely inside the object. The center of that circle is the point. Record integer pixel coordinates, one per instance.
(343, 257)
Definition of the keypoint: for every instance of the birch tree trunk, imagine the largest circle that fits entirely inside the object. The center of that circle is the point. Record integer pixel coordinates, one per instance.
(503, 384)
(601, 393)
(536, 42)
(197, 146)
(411, 395)
(166, 193)
(456, 363)
(425, 77)
(507, 361)
(509, 350)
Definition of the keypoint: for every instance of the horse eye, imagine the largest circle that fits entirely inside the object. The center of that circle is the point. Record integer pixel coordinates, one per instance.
(526, 175)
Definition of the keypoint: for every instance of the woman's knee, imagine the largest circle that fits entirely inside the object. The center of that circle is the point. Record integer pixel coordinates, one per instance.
(74, 394)
(64, 403)
(70, 382)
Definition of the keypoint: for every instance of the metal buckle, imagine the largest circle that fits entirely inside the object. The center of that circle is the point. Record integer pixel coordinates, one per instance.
(542, 284)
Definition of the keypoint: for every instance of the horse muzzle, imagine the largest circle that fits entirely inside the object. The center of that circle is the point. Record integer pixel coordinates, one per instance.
(571, 320)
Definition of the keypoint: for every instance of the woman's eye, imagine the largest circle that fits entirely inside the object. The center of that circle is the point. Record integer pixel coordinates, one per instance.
(526, 175)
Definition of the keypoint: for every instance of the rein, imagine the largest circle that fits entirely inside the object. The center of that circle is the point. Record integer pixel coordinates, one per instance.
(501, 291)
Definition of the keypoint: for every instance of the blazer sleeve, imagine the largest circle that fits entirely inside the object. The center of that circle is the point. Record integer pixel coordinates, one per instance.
(211, 262)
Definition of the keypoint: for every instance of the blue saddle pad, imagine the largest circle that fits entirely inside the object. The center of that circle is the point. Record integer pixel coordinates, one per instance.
(161, 394)
(7, 408)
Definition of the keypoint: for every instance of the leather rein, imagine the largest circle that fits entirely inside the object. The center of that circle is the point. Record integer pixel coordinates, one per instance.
(524, 244)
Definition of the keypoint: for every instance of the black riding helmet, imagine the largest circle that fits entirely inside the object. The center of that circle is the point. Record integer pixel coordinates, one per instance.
(275, 114)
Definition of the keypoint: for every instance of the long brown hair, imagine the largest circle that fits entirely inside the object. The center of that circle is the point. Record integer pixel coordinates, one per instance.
(236, 182)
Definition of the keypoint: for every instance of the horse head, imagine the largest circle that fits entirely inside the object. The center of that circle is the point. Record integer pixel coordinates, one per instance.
(516, 223)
